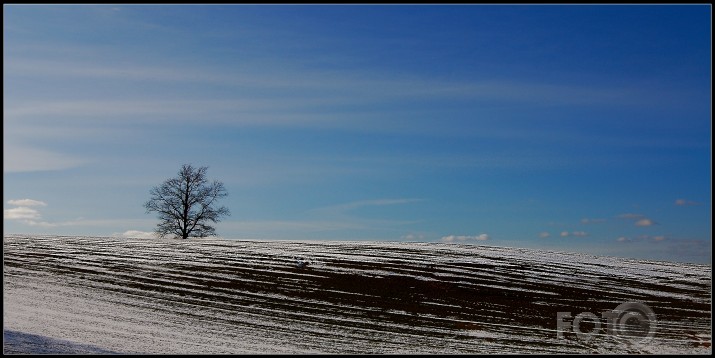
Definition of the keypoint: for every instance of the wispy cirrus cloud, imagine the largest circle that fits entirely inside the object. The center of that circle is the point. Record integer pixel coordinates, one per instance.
(691, 248)
(592, 221)
(345, 216)
(638, 219)
(308, 229)
(631, 216)
(21, 158)
(27, 202)
(373, 202)
(356, 84)
(465, 238)
(573, 233)
(325, 220)
(685, 250)
(136, 234)
(76, 69)
(281, 110)
(643, 238)
(413, 237)
(343, 210)
(684, 202)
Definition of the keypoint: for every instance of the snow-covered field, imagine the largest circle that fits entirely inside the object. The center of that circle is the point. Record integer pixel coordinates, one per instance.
(115, 295)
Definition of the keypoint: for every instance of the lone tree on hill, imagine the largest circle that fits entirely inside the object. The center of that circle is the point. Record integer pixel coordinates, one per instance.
(186, 204)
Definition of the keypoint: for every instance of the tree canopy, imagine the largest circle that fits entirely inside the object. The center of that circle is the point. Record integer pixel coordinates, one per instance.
(187, 204)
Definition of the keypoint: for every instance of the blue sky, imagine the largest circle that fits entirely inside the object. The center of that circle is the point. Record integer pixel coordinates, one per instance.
(577, 128)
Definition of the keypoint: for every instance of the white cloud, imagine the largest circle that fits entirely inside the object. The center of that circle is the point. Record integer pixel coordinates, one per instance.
(658, 238)
(645, 222)
(27, 215)
(564, 233)
(623, 239)
(27, 202)
(33, 217)
(463, 238)
(21, 213)
(544, 235)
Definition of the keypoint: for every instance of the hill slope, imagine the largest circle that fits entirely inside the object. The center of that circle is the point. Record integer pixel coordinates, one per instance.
(224, 296)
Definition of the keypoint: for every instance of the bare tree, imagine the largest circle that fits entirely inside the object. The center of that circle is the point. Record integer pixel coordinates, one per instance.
(185, 204)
